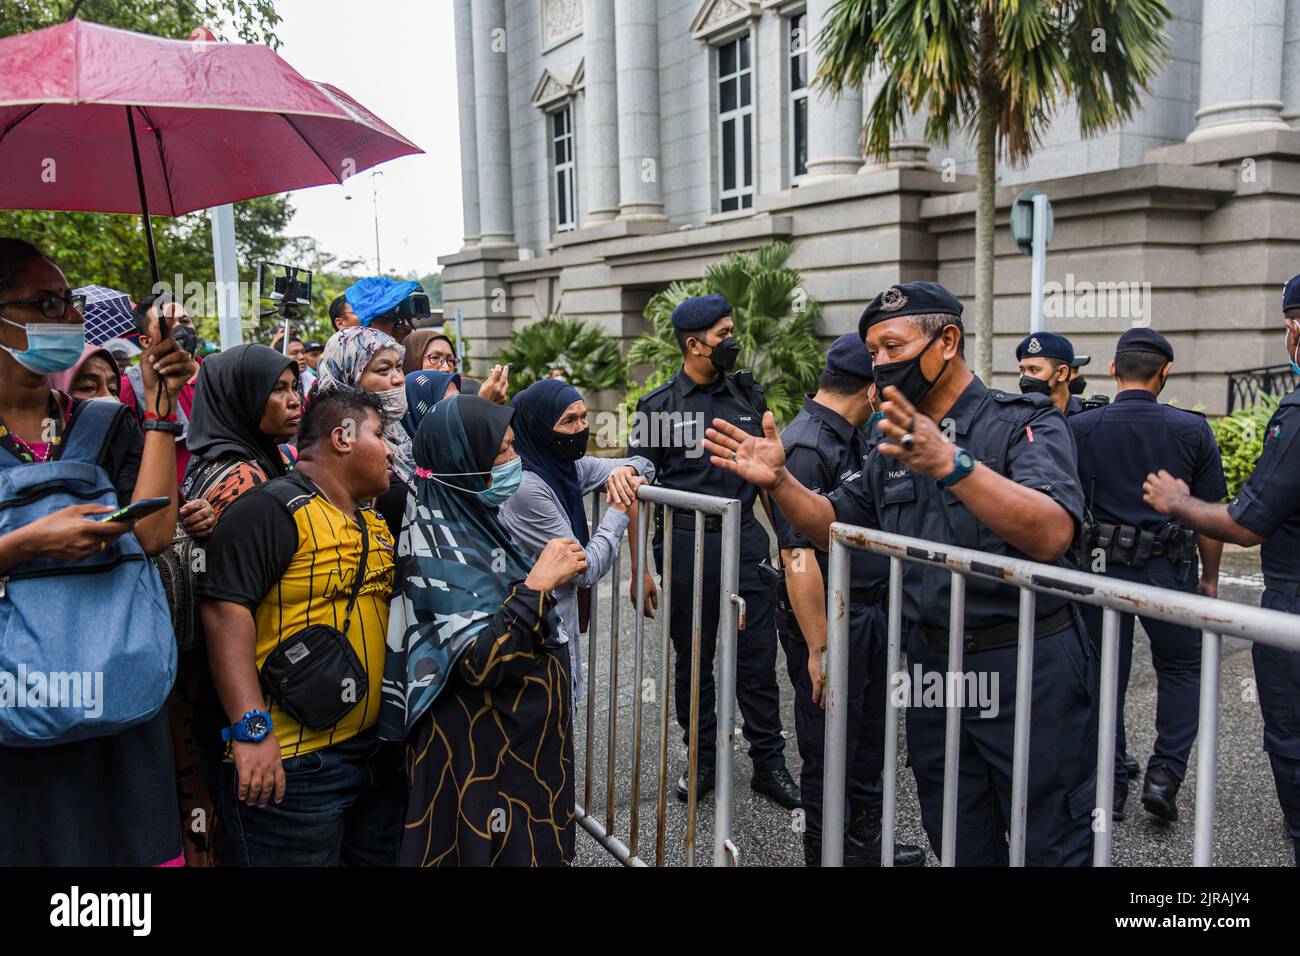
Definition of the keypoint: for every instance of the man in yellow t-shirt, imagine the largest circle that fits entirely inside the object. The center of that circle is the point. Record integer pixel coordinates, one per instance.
(285, 557)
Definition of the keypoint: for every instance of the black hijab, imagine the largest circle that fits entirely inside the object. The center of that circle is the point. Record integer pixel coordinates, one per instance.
(229, 399)
(485, 426)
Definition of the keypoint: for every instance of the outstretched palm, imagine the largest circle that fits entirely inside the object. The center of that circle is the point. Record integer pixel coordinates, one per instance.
(760, 461)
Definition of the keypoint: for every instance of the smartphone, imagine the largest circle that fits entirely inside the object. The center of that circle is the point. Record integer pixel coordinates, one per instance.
(136, 509)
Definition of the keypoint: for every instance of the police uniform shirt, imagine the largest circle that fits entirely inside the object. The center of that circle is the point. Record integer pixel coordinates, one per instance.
(1021, 437)
(1074, 406)
(1132, 437)
(1269, 502)
(822, 451)
(669, 431)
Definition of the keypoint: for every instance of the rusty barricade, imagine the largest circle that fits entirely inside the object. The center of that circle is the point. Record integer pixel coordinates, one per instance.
(627, 849)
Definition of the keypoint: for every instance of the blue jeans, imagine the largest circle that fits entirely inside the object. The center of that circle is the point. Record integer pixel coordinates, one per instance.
(343, 805)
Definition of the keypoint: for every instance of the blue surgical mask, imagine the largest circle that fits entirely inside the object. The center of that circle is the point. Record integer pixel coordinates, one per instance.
(51, 346)
(505, 482)
(875, 417)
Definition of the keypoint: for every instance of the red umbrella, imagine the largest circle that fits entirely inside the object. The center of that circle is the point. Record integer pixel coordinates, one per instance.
(95, 119)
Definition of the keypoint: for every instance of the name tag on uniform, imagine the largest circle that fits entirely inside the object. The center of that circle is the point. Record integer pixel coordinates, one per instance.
(901, 489)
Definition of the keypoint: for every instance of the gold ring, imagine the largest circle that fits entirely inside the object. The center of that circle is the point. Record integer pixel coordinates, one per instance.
(103, 545)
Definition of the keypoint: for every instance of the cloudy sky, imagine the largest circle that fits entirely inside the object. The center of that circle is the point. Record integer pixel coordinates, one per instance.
(397, 57)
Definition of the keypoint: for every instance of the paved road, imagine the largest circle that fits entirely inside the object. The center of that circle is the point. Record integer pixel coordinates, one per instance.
(1249, 830)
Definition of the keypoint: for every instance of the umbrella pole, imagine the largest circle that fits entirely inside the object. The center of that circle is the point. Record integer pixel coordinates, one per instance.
(144, 199)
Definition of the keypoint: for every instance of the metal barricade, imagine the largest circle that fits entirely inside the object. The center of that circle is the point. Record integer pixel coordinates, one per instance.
(731, 614)
(1214, 618)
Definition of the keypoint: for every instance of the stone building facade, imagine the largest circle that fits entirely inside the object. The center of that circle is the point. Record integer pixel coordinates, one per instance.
(610, 147)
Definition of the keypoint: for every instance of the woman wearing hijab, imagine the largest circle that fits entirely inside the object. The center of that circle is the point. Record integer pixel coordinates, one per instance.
(368, 359)
(551, 438)
(476, 678)
(423, 391)
(246, 402)
(95, 376)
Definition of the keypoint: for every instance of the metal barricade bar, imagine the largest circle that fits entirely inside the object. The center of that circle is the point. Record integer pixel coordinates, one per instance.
(1215, 618)
(731, 616)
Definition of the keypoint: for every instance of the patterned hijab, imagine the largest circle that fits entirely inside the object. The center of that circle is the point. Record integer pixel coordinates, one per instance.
(424, 390)
(344, 361)
(455, 560)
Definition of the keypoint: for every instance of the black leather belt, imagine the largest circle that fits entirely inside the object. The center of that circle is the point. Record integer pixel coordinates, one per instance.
(686, 520)
(1289, 588)
(999, 635)
(873, 595)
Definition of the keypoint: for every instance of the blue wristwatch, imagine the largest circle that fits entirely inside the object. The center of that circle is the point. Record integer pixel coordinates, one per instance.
(251, 728)
(963, 463)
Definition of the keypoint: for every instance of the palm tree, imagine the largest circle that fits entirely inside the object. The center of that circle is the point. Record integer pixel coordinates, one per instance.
(775, 320)
(586, 354)
(1000, 69)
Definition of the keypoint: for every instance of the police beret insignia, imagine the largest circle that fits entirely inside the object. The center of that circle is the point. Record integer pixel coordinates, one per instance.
(892, 299)
(1034, 347)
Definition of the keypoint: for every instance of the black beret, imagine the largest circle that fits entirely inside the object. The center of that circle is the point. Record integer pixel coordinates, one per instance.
(849, 356)
(1291, 294)
(1145, 340)
(1046, 344)
(700, 313)
(908, 298)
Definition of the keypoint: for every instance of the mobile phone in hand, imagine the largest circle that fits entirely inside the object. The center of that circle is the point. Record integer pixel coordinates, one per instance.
(133, 511)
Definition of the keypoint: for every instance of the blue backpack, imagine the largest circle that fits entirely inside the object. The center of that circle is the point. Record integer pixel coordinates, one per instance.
(86, 649)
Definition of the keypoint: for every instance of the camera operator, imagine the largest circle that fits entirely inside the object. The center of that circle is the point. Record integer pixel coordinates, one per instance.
(388, 305)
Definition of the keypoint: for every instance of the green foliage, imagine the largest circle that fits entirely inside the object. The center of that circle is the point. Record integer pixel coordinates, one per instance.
(588, 356)
(251, 21)
(1044, 52)
(1241, 440)
(776, 322)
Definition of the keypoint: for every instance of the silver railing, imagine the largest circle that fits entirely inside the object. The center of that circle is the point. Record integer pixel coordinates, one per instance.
(1213, 618)
(731, 615)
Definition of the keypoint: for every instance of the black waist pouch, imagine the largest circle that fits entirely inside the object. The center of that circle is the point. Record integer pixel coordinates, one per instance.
(315, 675)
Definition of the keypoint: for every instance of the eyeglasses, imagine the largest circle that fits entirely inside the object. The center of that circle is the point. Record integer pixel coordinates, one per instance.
(51, 306)
(442, 361)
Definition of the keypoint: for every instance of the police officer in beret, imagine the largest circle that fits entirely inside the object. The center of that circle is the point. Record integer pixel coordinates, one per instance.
(826, 445)
(1265, 511)
(1125, 538)
(669, 430)
(1045, 360)
(965, 465)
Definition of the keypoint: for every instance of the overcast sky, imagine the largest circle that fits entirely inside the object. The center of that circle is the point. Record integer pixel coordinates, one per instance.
(397, 57)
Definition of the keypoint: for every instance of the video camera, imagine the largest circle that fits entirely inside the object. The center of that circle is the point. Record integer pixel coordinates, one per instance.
(290, 291)
(414, 306)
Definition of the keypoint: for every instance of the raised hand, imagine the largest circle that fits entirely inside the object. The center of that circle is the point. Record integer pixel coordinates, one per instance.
(760, 461)
(928, 452)
(1161, 490)
(496, 385)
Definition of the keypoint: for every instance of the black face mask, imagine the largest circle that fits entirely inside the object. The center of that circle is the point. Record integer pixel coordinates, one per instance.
(569, 447)
(1036, 386)
(1078, 385)
(907, 377)
(186, 338)
(725, 354)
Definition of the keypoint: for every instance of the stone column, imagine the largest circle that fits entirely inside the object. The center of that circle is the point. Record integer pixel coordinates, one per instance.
(468, 124)
(600, 144)
(1291, 65)
(1241, 68)
(636, 31)
(834, 123)
(908, 147)
(492, 109)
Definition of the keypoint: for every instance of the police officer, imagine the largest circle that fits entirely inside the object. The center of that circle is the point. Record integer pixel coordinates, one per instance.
(669, 429)
(1045, 360)
(1078, 384)
(1265, 511)
(964, 465)
(826, 445)
(1119, 445)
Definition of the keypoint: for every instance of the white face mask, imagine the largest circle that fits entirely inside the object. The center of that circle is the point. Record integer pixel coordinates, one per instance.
(394, 402)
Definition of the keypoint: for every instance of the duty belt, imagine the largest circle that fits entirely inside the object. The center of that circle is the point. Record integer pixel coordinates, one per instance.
(871, 595)
(685, 520)
(999, 635)
(1126, 545)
